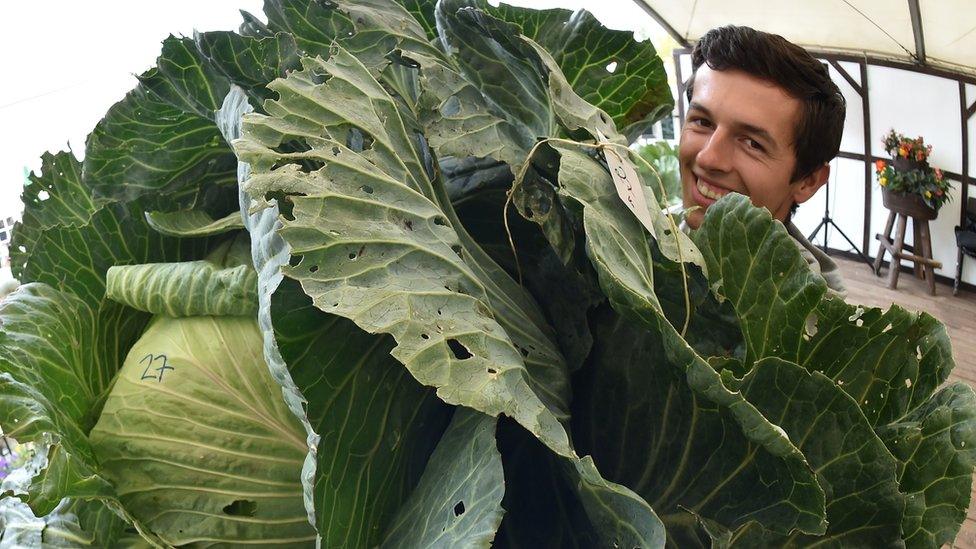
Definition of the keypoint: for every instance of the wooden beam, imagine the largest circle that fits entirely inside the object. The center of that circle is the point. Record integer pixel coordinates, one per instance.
(901, 254)
(967, 77)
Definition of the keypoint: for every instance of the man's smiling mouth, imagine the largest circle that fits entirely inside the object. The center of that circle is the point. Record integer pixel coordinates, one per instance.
(710, 191)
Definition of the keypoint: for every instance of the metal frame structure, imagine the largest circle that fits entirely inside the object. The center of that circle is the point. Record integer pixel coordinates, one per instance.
(966, 110)
(919, 58)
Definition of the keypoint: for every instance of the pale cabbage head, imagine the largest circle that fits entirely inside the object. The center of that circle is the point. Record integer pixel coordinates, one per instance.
(197, 439)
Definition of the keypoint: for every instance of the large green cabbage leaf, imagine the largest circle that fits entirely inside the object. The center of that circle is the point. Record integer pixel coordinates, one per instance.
(608, 69)
(889, 362)
(358, 480)
(391, 255)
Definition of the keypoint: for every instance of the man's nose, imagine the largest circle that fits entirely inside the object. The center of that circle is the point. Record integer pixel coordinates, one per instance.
(716, 155)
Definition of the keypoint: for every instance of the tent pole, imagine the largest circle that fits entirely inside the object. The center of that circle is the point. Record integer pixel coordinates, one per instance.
(964, 115)
(866, 109)
(916, 15)
(680, 83)
(664, 24)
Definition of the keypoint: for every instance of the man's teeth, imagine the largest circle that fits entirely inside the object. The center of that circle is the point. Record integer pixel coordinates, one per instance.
(709, 192)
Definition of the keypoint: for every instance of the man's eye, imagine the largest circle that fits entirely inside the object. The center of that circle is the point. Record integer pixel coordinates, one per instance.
(701, 122)
(753, 144)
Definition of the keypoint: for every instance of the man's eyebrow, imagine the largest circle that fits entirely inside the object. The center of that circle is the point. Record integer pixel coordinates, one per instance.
(758, 132)
(699, 107)
(761, 133)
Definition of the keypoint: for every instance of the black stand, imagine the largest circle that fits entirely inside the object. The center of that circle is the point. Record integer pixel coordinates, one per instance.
(828, 221)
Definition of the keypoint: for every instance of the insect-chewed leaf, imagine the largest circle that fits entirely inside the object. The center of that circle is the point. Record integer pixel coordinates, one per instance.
(380, 244)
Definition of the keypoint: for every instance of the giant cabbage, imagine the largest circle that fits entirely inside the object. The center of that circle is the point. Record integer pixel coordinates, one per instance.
(283, 301)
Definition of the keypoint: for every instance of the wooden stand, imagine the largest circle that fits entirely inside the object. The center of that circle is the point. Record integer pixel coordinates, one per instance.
(901, 208)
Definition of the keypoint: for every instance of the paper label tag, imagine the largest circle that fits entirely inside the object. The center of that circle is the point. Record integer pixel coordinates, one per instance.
(629, 187)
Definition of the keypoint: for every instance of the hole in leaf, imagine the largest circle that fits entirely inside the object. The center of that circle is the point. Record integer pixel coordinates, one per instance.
(396, 56)
(440, 221)
(280, 163)
(335, 151)
(295, 260)
(451, 107)
(313, 268)
(424, 336)
(308, 165)
(319, 75)
(457, 250)
(458, 508)
(293, 146)
(356, 254)
(285, 204)
(492, 371)
(241, 508)
(43, 195)
(612, 67)
(358, 140)
(810, 325)
(460, 351)
(366, 189)
(408, 224)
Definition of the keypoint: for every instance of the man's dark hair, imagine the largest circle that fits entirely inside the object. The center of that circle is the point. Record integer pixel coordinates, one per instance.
(772, 58)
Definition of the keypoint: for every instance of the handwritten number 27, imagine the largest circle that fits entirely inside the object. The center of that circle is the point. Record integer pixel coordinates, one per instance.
(150, 359)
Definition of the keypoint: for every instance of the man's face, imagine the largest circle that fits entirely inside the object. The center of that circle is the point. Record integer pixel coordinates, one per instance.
(738, 137)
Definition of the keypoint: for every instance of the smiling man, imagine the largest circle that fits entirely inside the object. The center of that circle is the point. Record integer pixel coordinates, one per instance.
(764, 120)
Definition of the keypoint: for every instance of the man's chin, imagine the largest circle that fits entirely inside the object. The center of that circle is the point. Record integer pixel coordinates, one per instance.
(695, 217)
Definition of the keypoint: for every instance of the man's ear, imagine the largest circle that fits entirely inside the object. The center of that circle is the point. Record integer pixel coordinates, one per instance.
(805, 188)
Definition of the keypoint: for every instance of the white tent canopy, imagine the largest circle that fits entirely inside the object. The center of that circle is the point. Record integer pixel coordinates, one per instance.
(938, 33)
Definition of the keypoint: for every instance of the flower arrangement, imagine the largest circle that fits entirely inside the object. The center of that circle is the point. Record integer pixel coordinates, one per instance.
(909, 171)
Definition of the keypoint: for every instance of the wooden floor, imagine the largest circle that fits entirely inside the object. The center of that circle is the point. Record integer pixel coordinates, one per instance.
(958, 313)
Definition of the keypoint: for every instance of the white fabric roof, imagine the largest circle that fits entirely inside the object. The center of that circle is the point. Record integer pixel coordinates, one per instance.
(879, 28)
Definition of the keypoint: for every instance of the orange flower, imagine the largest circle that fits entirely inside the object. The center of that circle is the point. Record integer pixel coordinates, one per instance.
(919, 156)
(880, 165)
(903, 151)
